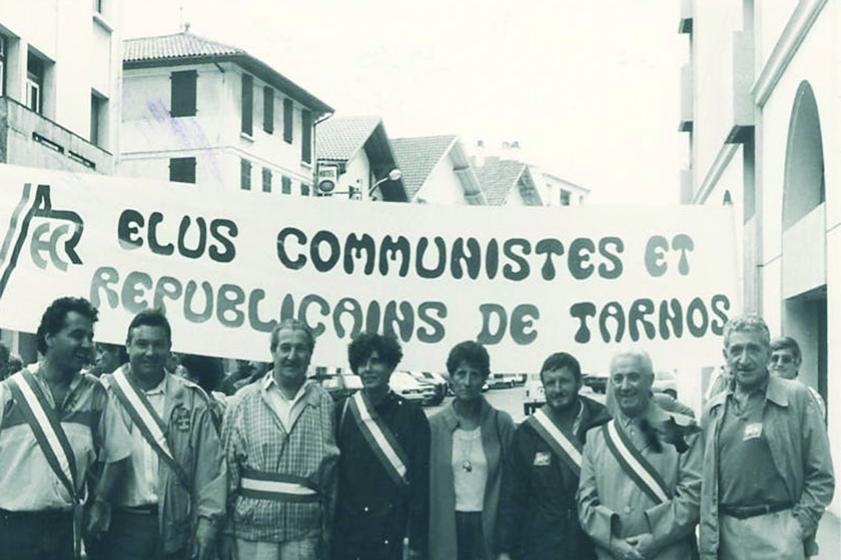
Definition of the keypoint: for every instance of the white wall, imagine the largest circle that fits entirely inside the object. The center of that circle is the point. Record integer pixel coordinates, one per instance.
(442, 186)
(357, 174)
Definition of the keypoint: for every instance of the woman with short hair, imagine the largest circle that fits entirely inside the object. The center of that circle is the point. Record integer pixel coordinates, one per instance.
(470, 440)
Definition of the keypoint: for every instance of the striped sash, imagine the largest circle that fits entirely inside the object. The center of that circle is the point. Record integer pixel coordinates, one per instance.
(143, 415)
(567, 449)
(634, 464)
(49, 434)
(380, 439)
(277, 487)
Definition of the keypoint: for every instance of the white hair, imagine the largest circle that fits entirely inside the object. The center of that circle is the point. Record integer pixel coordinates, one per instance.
(638, 354)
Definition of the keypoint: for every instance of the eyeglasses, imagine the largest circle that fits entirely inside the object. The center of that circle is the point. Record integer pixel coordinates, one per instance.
(781, 358)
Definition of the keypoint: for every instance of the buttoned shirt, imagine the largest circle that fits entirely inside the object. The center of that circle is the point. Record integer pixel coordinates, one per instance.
(93, 428)
(287, 410)
(142, 476)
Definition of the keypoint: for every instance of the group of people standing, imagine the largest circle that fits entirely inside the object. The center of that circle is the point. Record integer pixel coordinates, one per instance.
(143, 464)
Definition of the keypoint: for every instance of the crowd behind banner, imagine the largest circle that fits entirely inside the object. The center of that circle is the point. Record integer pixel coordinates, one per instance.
(142, 456)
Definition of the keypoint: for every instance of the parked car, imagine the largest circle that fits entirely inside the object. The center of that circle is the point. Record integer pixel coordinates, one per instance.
(503, 380)
(437, 381)
(598, 383)
(533, 397)
(340, 385)
(411, 389)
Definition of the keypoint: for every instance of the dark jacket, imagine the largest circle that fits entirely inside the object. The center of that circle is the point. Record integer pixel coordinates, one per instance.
(537, 514)
(373, 513)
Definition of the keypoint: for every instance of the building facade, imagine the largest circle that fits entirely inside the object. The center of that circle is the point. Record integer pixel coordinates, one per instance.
(60, 93)
(198, 111)
(760, 107)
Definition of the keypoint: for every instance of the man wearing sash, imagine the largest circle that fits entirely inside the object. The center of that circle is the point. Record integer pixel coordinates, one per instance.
(538, 518)
(281, 451)
(384, 466)
(173, 498)
(767, 468)
(55, 422)
(641, 473)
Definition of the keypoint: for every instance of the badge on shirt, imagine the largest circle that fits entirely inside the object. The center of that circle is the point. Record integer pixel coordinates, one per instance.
(181, 419)
(752, 431)
(542, 459)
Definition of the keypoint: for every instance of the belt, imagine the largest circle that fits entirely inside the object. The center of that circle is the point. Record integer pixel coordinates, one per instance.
(151, 509)
(745, 512)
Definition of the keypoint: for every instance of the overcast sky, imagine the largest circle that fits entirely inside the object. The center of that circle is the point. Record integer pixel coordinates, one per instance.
(589, 89)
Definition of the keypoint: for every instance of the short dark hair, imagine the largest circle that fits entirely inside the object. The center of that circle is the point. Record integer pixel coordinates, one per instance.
(206, 370)
(361, 348)
(5, 353)
(53, 318)
(295, 325)
(787, 343)
(119, 348)
(471, 353)
(150, 318)
(561, 360)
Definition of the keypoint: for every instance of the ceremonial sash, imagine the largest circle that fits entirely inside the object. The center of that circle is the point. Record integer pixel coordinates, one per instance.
(277, 487)
(634, 464)
(46, 426)
(567, 449)
(380, 438)
(143, 415)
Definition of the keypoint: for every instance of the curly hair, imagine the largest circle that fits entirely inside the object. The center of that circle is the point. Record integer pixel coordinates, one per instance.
(361, 348)
(747, 323)
(52, 321)
(473, 354)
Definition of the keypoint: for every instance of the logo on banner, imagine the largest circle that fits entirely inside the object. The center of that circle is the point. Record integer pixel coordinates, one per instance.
(53, 234)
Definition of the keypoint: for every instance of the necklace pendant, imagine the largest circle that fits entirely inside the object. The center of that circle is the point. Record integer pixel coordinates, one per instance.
(467, 465)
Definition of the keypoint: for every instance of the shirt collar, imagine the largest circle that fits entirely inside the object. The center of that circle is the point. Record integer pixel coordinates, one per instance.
(159, 389)
(269, 381)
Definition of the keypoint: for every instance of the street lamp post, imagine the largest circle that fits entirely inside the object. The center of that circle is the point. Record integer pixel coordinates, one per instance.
(393, 175)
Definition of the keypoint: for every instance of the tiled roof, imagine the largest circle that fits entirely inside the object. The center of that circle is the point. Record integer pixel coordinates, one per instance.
(172, 47)
(416, 158)
(498, 177)
(339, 138)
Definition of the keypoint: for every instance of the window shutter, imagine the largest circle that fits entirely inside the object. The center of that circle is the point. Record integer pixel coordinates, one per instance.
(247, 104)
(305, 189)
(268, 110)
(183, 93)
(306, 136)
(182, 170)
(245, 174)
(286, 185)
(267, 180)
(287, 120)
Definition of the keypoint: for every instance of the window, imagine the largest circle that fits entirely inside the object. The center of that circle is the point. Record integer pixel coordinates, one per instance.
(286, 185)
(245, 174)
(306, 136)
(268, 110)
(267, 179)
(565, 198)
(305, 189)
(247, 104)
(2, 65)
(182, 170)
(34, 83)
(97, 119)
(287, 120)
(183, 93)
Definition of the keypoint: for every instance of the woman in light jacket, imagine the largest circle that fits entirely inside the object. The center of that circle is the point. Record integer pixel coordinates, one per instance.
(470, 441)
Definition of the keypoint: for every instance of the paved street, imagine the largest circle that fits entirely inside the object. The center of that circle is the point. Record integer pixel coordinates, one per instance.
(511, 401)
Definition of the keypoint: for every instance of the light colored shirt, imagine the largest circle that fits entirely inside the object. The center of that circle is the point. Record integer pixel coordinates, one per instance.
(142, 477)
(470, 469)
(287, 410)
(92, 425)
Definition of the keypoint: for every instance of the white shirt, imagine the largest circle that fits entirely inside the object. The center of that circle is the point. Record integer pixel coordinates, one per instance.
(142, 478)
(287, 410)
(470, 469)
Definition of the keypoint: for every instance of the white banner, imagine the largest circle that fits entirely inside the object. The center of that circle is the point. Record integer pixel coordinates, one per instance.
(226, 266)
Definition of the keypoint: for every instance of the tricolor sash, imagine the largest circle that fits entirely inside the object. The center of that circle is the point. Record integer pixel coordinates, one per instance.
(380, 438)
(143, 415)
(634, 464)
(566, 448)
(49, 434)
(277, 487)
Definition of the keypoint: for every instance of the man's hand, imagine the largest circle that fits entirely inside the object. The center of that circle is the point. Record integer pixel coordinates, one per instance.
(620, 549)
(99, 518)
(205, 535)
(228, 548)
(642, 543)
